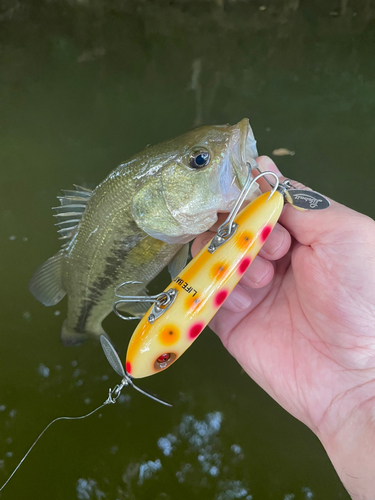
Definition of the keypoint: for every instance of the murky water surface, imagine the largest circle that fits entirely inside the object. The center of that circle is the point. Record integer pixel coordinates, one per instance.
(84, 85)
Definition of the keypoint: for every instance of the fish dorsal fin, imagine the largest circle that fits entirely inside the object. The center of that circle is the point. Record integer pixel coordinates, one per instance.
(73, 205)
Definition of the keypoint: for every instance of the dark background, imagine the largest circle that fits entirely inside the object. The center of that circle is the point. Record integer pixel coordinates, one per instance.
(84, 85)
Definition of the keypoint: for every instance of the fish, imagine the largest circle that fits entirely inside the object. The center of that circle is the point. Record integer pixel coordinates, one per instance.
(200, 290)
(139, 220)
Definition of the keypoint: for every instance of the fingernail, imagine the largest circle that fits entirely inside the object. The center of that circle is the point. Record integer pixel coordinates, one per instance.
(277, 171)
(240, 299)
(261, 277)
(280, 234)
(266, 163)
(258, 273)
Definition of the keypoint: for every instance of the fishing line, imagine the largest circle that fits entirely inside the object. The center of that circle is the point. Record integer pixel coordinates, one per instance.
(110, 400)
(113, 395)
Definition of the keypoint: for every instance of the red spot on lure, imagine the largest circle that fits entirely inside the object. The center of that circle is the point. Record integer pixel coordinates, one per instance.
(265, 233)
(195, 330)
(220, 297)
(244, 264)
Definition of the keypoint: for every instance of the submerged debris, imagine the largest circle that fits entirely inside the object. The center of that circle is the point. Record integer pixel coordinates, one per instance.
(43, 370)
(283, 152)
(148, 469)
(87, 489)
(26, 315)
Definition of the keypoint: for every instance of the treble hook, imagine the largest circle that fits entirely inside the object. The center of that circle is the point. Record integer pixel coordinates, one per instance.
(161, 299)
(226, 229)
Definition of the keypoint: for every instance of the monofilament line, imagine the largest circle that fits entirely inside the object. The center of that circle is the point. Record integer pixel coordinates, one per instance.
(109, 400)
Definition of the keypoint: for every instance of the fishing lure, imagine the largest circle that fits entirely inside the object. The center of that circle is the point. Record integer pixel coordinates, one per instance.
(184, 309)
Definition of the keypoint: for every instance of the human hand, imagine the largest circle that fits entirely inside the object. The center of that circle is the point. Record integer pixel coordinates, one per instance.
(302, 325)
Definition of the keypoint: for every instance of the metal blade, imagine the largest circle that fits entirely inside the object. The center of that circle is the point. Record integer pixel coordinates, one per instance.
(148, 394)
(306, 199)
(112, 356)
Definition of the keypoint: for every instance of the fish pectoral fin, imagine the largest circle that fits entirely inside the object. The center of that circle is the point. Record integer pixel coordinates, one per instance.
(46, 284)
(179, 261)
(155, 220)
(138, 309)
(135, 308)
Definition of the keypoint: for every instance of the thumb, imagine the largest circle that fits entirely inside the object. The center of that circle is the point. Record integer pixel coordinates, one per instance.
(309, 227)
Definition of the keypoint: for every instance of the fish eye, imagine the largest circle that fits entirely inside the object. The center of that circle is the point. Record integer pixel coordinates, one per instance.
(199, 159)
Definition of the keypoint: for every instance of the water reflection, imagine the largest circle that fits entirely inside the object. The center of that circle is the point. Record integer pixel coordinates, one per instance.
(197, 456)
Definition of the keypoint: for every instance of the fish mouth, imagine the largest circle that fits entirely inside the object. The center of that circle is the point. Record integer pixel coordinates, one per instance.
(243, 150)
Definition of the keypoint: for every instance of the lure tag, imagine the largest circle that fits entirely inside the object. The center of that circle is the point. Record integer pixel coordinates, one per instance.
(306, 200)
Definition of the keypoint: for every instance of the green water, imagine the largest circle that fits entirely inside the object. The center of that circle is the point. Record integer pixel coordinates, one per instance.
(84, 85)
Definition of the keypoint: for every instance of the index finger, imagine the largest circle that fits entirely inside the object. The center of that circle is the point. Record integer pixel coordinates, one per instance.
(310, 227)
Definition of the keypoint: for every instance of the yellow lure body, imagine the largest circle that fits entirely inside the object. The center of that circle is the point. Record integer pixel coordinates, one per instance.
(202, 286)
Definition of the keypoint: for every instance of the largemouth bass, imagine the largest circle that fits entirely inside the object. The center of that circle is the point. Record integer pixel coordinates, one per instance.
(140, 219)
